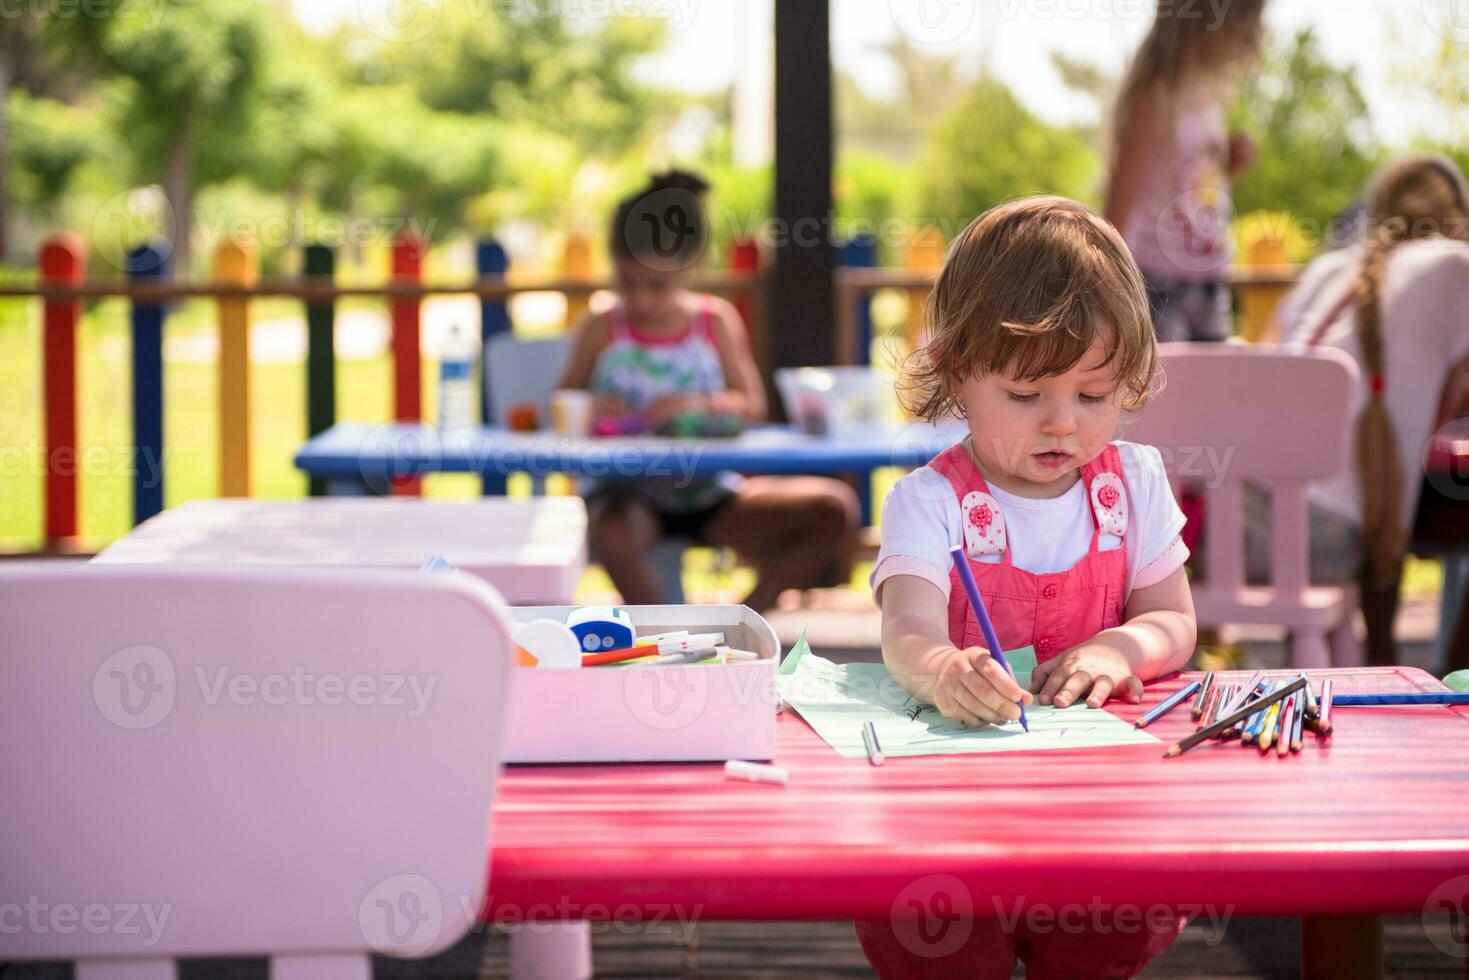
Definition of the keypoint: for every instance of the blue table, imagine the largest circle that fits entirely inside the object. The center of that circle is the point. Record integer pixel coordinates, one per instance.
(354, 457)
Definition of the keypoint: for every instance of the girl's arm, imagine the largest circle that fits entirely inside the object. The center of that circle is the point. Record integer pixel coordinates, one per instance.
(1156, 638)
(1137, 137)
(746, 394)
(591, 337)
(969, 685)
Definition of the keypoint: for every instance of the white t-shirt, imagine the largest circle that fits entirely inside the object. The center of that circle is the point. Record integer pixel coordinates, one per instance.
(921, 521)
(1424, 300)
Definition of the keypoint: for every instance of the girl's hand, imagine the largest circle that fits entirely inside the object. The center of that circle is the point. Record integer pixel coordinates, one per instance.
(609, 406)
(672, 406)
(1094, 668)
(973, 689)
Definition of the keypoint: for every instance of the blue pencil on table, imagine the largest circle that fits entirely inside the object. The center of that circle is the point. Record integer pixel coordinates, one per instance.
(1422, 697)
(1167, 705)
(961, 563)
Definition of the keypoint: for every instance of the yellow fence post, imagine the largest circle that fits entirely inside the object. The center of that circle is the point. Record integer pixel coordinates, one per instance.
(234, 265)
(924, 253)
(1264, 251)
(576, 266)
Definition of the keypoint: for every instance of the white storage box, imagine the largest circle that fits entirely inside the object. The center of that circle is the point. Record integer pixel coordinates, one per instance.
(682, 713)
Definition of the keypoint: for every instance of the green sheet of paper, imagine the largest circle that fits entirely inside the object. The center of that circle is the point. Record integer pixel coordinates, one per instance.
(837, 698)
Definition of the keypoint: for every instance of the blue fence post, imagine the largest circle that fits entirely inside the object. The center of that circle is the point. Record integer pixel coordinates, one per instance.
(146, 263)
(491, 261)
(860, 252)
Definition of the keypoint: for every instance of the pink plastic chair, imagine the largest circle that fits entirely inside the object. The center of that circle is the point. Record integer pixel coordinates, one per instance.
(1280, 419)
(257, 762)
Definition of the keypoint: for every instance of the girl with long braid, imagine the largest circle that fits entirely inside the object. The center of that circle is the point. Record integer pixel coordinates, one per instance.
(1398, 302)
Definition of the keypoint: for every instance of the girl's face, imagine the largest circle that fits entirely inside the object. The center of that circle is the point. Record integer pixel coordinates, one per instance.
(1032, 437)
(650, 296)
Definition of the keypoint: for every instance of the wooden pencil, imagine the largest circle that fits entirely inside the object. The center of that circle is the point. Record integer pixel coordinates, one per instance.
(1287, 725)
(1197, 709)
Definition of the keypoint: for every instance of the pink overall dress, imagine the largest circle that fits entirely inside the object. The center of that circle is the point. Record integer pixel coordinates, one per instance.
(1051, 612)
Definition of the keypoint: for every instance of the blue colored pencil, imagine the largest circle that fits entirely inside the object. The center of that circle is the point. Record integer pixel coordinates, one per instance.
(961, 562)
(1161, 709)
(1426, 697)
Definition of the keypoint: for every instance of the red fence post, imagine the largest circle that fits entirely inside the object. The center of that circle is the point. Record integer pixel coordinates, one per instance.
(61, 262)
(408, 252)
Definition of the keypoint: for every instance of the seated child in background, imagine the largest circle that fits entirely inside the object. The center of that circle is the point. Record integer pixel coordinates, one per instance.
(1040, 337)
(662, 352)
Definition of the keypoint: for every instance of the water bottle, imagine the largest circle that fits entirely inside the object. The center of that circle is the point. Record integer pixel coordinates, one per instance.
(457, 408)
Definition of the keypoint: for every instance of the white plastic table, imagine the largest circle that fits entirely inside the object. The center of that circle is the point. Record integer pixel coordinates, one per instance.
(532, 550)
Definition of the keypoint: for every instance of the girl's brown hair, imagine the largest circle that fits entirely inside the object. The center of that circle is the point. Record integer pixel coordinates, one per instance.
(1189, 45)
(1028, 288)
(1415, 197)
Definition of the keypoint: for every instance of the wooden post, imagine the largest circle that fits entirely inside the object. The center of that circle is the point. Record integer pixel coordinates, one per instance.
(148, 261)
(61, 261)
(235, 265)
(1264, 250)
(802, 298)
(321, 355)
(408, 251)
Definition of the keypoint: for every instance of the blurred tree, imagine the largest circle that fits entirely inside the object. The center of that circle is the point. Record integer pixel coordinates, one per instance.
(49, 140)
(1317, 146)
(989, 148)
(524, 62)
(190, 78)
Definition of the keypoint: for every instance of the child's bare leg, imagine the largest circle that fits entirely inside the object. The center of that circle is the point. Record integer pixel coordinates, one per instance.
(791, 528)
(620, 533)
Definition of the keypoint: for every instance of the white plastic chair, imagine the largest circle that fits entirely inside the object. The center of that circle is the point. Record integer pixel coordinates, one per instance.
(519, 371)
(1231, 414)
(245, 762)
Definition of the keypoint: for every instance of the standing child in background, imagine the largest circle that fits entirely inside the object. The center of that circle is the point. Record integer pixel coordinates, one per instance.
(1172, 161)
(1039, 337)
(661, 352)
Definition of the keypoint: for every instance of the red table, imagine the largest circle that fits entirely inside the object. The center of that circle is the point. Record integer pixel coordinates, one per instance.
(1370, 822)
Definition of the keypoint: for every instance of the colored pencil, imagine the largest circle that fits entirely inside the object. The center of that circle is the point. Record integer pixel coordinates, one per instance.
(1323, 721)
(1300, 720)
(1197, 710)
(1221, 706)
(1382, 700)
(1267, 730)
(1287, 725)
(1243, 692)
(1171, 702)
(1257, 720)
(1312, 709)
(961, 565)
(1273, 698)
